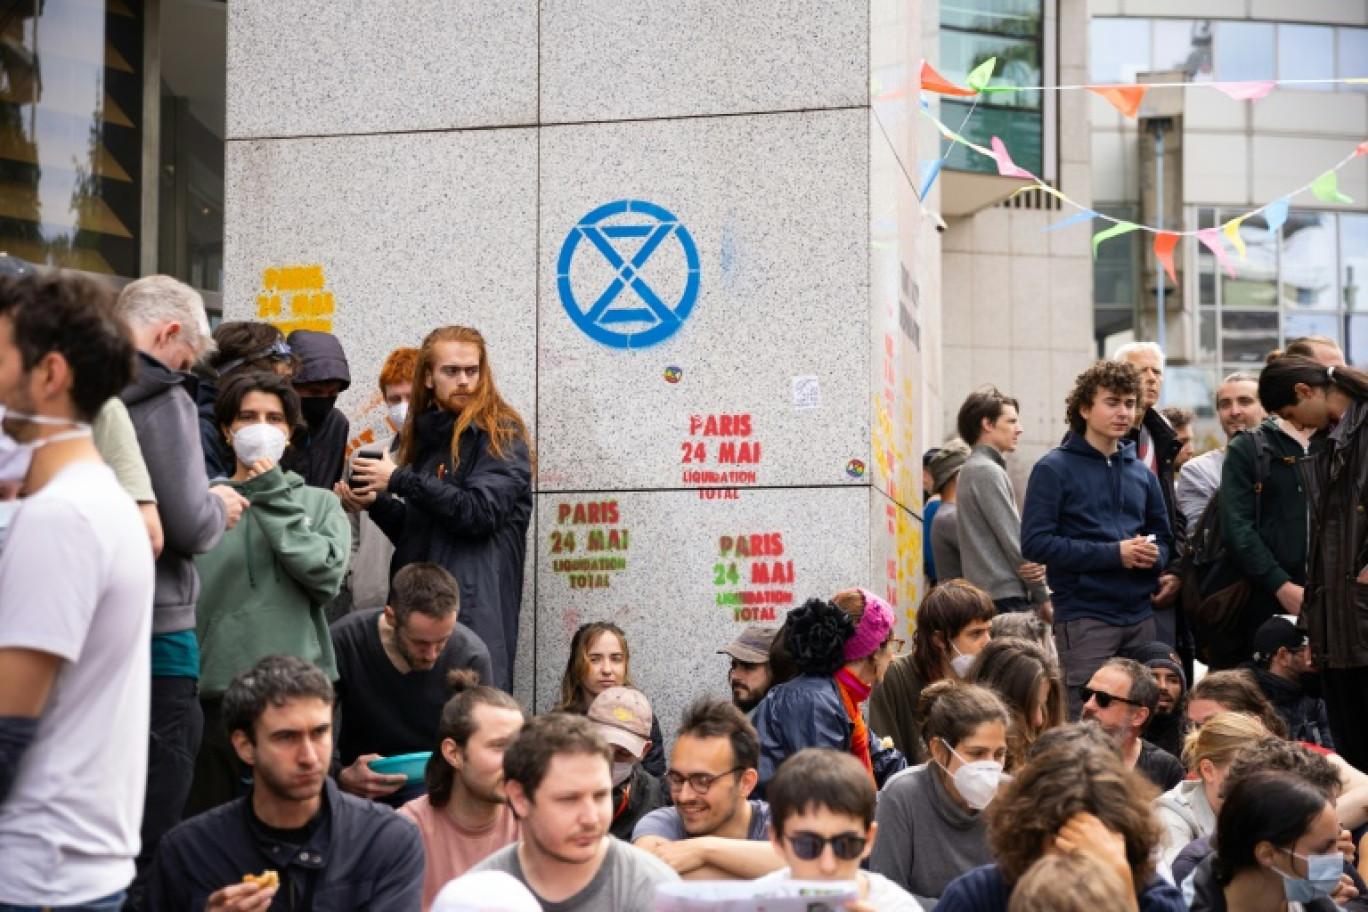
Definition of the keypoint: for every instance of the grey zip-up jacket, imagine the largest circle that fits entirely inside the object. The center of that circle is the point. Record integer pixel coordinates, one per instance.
(990, 528)
(192, 519)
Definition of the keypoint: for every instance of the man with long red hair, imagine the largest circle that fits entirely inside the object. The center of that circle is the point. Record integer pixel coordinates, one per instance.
(459, 490)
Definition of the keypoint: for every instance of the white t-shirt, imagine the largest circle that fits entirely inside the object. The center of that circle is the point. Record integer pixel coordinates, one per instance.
(76, 579)
(884, 894)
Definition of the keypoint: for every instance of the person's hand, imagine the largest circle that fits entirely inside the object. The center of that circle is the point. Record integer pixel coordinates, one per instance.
(1168, 590)
(1138, 554)
(1086, 835)
(1346, 846)
(233, 501)
(1290, 597)
(859, 905)
(243, 897)
(685, 855)
(259, 468)
(361, 780)
(1045, 611)
(374, 474)
(1344, 891)
(1032, 573)
(353, 502)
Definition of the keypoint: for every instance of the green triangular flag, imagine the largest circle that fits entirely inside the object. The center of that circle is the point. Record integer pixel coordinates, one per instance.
(978, 79)
(1326, 189)
(1118, 229)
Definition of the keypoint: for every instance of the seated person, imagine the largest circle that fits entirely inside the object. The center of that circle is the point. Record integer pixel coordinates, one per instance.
(713, 832)
(464, 817)
(1121, 696)
(558, 773)
(1070, 883)
(1028, 681)
(822, 825)
(1282, 659)
(600, 659)
(328, 849)
(1165, 729)
(623, 718)
(1073, 796)
(931, 822)
(392, 666)
(749, 677)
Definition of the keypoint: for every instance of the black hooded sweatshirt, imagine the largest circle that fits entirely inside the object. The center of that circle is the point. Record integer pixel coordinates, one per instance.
(319, 450)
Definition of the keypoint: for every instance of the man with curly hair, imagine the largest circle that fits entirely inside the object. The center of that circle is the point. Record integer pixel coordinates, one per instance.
(1096, 516)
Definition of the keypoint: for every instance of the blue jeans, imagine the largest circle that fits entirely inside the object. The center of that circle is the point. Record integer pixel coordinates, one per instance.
(111, 903)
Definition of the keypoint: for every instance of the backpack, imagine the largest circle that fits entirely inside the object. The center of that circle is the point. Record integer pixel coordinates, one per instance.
(1212, 589)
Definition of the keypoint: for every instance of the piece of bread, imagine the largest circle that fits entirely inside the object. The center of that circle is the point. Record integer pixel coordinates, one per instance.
(265, 880)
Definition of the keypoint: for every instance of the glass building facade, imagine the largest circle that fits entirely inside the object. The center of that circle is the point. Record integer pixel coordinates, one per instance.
(111, 136)
(972, 31)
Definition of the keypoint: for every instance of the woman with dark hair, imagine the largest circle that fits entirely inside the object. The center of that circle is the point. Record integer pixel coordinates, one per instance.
(953, 625)
(841, 649)
(931, 824)
(1022, 674)
(1334, 401)
(264, 585)
(464, 817)
(600, 659)
(1277, 849)
(240, 347)
(1232, 691)
(1075, 797)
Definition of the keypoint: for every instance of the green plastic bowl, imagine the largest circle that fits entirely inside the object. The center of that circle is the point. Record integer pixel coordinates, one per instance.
(411, 765)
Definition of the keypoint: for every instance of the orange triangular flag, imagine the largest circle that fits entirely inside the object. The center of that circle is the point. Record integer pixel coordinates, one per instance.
(931, 81)
(1164, 244)
(1125, 99)
(1362, 148)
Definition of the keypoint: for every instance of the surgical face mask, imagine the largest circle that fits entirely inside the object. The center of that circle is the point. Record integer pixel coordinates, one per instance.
(258, 441)
(976, 782)
(8, 510)
(15, 457)
(621, 772)
(961, 663)
(1322, 876)
(398, 414)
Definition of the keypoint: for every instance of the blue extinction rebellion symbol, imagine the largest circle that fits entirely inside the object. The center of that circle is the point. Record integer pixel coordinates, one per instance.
(637, 279)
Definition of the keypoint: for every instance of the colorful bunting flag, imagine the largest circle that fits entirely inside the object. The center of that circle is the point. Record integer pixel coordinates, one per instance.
(1125, 99)
(929, 171)
(1275, 213)
(1005, 165)
(1232, 231)
(931, 81)
(1118, 229)
(1084, 216)
(1362, 149)
(978, 79)
(1326, 189)
(1212, 239)
(1165, 242)
(1246, 91)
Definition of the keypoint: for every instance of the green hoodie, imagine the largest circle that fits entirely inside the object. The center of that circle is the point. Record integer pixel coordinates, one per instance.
(263, 587)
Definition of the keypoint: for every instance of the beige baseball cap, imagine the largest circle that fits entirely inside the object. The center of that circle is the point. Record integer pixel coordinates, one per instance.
(622, 716)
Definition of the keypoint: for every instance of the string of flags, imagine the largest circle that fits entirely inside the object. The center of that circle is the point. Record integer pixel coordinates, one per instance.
(1127, 100)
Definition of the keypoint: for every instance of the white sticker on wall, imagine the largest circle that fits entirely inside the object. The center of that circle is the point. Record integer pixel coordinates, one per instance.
(807, 393)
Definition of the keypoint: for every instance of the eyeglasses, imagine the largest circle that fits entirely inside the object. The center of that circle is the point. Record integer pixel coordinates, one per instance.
(1103, 698)
(808, 846)
(699, 782)
(897, 644)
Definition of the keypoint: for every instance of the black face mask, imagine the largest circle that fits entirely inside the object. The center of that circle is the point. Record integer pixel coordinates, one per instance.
(316, 408)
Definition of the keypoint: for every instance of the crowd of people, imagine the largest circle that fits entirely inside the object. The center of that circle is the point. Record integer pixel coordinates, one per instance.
(244, 669)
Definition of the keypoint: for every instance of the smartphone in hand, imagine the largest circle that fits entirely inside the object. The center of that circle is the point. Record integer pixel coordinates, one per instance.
(364, 453)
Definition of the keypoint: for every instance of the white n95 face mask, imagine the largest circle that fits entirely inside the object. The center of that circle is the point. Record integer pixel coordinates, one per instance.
(398, 414)
(976, 782)
(15, 457)
(259, 441)
(960, 663)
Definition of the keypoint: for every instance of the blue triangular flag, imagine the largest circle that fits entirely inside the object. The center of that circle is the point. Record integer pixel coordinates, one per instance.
(929, 170)
(1086, 215)
(1276, 215)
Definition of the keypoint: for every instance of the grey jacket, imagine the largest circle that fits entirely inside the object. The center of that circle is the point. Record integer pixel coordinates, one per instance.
(1186, 815)
(1197, 481)
(192, 519)
(990, 528)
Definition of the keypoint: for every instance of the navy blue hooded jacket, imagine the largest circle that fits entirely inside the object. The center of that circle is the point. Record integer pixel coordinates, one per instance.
(1079, 506)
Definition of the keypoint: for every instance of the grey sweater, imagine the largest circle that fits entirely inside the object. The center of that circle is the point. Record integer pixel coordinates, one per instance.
(945, 542)
(990, 528)
(925, 839)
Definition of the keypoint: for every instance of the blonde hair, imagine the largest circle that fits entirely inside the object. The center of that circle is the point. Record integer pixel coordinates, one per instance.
(1221, 737)
(1069, 883)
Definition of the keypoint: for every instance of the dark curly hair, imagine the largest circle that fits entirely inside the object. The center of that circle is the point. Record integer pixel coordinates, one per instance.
(1114, 376)
(816, 635)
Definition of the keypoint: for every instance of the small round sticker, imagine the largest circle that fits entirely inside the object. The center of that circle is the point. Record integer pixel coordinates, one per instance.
(855, 468)
(673, 374)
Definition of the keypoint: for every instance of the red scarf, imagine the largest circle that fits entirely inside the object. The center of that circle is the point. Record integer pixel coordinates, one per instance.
(853, 693)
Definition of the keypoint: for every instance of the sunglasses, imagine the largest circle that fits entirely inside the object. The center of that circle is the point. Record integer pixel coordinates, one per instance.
(1103, 698)
(807, 846)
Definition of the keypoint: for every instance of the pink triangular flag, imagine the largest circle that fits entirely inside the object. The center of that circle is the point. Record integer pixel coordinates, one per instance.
(1362, 148)
(1211, 239)
(1246, 91)
(1005, 165)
